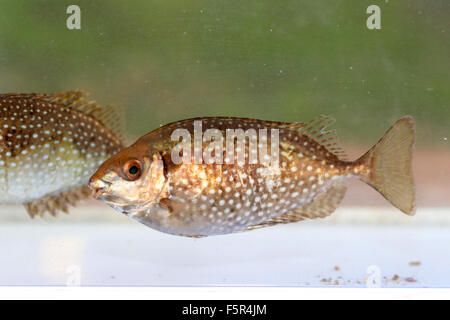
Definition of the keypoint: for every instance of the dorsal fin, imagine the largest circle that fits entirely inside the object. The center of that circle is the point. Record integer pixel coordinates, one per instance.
(315, 130)
(322, 206)
(112, 117)
(59, 202)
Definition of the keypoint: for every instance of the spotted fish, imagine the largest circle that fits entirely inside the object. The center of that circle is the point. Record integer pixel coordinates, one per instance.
(50, 144)
(202, 199)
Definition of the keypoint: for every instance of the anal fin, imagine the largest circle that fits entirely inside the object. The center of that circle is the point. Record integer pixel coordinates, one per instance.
(322, 206)
(55, 203)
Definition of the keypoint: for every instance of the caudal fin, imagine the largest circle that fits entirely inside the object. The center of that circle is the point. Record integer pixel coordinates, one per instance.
(390, 164)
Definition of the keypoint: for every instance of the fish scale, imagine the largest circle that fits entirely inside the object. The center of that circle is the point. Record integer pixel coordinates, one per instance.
(201, 199)
(233, 197)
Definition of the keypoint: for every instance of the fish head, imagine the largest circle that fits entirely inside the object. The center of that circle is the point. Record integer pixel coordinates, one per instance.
(130, 181)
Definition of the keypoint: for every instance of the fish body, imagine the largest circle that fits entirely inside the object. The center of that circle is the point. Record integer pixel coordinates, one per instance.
(198, 198)
(49, 147)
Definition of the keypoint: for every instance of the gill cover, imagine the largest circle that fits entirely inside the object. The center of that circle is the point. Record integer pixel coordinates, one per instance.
(157, 174)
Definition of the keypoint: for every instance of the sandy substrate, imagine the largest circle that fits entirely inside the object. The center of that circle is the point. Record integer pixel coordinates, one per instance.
(311, 254)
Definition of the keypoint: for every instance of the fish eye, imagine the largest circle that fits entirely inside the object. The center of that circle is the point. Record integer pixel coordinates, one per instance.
(132, 170)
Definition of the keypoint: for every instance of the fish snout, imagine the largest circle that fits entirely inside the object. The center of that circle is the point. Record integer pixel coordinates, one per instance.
(98, 187)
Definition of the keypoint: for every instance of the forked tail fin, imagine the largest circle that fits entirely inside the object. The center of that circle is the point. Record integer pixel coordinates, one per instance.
(390, 165)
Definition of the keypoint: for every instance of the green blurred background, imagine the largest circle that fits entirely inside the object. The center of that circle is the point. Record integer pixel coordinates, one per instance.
(277, 60)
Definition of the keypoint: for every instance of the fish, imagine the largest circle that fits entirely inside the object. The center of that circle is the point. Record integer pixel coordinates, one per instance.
(199, 198)
(50, 145)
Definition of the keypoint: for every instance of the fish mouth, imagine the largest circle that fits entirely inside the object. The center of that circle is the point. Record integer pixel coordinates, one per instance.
(99, 188)
(102, 194)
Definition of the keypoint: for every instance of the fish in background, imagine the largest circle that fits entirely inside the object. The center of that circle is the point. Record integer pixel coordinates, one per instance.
(50, 144)
(197, 200)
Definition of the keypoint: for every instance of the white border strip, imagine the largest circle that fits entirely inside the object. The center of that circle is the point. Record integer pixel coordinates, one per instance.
(218, 293)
